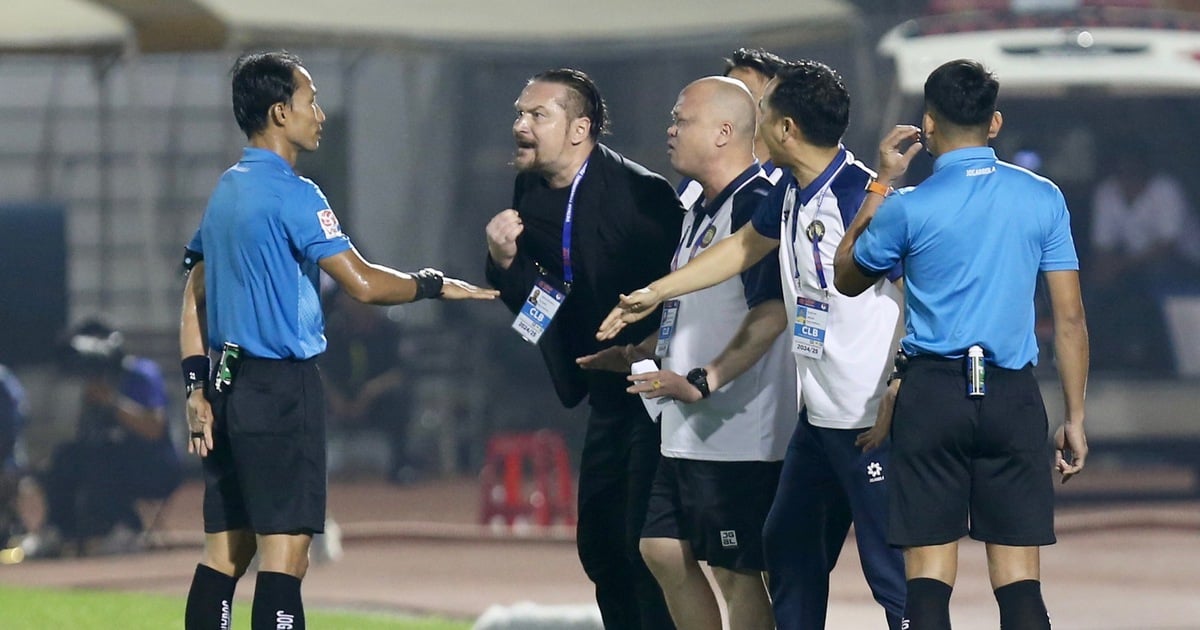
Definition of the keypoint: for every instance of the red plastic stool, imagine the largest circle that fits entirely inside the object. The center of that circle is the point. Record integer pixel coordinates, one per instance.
(526, 478)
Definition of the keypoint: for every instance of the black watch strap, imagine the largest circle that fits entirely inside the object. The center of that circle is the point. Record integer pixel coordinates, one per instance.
(698, 377)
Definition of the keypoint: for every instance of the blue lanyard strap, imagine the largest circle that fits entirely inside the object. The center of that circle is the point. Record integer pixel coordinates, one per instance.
(568, 219)
(815, 232)
(816, 242)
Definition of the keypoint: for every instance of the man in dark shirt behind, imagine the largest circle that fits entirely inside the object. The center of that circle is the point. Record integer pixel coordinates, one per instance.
(586, 226)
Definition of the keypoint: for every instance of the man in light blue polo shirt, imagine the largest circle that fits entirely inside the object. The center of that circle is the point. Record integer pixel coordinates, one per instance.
(969, 448)
(258, 213)
(252, 295)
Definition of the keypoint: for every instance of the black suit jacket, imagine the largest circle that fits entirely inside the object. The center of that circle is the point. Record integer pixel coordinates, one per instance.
(626, 225)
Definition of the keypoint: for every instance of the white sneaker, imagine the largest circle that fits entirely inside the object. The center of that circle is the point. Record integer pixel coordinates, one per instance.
(122, 539)
(45, 543)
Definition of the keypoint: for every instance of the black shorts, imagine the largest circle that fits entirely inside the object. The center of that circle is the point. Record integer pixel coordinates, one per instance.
(718, 507)
(979, 461)
(266, 471)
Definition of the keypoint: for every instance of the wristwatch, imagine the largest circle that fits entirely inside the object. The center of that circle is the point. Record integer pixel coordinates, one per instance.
(192, 386)
(698, 377)
(879, 188)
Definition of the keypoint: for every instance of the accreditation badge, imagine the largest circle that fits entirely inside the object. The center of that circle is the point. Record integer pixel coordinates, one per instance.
(539, 309)
(808, 333)
(666, 329)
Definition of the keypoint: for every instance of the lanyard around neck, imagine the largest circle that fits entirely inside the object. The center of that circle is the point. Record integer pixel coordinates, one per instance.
(815, 231)
(568, 219)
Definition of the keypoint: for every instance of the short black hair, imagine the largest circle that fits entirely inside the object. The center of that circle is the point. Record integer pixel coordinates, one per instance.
(756, 59)
(962, 92)
(259, 81)
(814, 95)
(583, 96)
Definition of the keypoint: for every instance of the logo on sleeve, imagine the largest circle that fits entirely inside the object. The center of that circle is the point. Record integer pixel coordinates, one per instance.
(729, 538)
(329, 223)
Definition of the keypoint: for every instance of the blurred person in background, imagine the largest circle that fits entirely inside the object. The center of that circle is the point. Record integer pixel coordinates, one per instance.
(364, 383)
(13, 414)
(587, 224)
(1143, 244)
(122, 451)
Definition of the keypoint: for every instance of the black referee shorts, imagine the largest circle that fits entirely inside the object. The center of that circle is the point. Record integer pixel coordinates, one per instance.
(977, 466)
(266, 471)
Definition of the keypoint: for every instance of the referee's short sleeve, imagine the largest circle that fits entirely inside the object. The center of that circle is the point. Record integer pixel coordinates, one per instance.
(1058, 249)
(879, 249)
(196, 244)
(311, 225)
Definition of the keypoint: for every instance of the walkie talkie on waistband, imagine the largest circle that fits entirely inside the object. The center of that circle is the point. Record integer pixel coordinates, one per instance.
(976, 372)
(231, 355)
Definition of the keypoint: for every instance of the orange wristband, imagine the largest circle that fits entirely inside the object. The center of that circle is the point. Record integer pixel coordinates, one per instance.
(879, 189)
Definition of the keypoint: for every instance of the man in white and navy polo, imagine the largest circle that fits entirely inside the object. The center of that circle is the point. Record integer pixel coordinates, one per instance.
(727, 371)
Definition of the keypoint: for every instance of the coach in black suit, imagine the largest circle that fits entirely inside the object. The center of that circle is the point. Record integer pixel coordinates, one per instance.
(622, 232)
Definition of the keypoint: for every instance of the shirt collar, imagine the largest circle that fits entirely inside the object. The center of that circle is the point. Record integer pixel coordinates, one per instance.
(963, 155)
(710, 209)
(255, 154)
(808, 192)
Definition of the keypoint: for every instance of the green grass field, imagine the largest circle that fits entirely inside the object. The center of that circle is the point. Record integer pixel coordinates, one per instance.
(38, 609)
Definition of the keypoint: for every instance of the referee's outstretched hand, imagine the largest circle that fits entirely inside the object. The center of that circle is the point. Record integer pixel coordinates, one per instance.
(200, 423)
(455, 289)
(1070, 449)
(631, 308)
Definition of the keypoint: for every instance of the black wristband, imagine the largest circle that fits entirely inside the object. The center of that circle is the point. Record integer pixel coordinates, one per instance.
(429, 283)
(196, 369)
(698, 377)
(191, 258)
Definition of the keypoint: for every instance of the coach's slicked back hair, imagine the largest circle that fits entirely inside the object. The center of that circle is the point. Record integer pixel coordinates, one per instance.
(814, 95)
(259, 81)
(757, 59)
(583, 96)
(962, 92)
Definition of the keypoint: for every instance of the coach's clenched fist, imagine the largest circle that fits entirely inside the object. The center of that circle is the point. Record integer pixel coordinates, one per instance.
(502, 233)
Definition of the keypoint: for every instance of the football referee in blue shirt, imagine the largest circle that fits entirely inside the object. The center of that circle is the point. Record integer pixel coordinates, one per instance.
(969, 438)
(252, 296)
